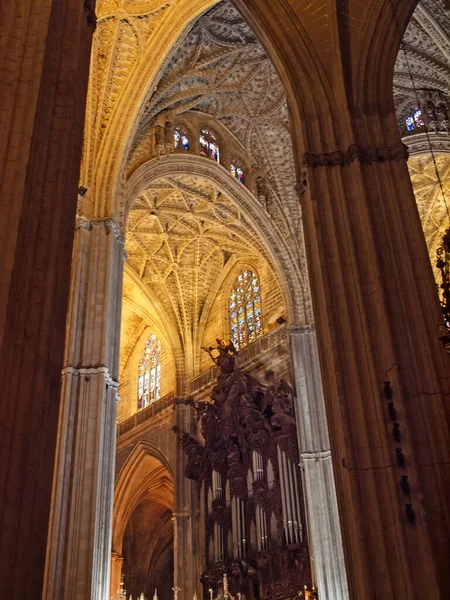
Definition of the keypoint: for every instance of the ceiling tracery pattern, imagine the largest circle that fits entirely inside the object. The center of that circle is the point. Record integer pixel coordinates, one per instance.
(181, 234)
(120, 72)
(221, 70)
(423, 65)
(427, 45)
(123, 31)
(432, 210)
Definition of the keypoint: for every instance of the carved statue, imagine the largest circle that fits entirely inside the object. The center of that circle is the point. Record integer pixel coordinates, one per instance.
(194, 453)
(225, 359)
(159, 139)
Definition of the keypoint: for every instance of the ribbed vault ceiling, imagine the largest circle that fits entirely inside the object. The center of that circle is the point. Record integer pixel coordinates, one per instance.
(220, 69)
(427, 46)
(181, 234)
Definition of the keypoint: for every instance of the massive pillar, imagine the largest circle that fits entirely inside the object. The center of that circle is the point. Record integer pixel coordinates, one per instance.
(44, 62)
(385, 373)
(79, 545)
(324, 532)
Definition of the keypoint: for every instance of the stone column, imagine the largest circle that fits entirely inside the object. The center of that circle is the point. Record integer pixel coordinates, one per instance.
(377, 316)
(79, 545)
(44, 63)
(116, 574)
(324, 531)
(185, 532)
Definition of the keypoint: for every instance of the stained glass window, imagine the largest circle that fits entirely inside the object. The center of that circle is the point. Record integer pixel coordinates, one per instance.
(414, 120)
(418, 118)
(245, 309)
(149, 375)
(409, 123)
(237, 172)
(181, 140)
(208, 145)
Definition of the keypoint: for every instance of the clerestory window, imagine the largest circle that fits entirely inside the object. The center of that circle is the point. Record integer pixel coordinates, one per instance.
(149, 376)
(245, 309)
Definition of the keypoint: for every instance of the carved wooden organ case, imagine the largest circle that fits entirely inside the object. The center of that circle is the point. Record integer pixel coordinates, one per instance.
(250, 488)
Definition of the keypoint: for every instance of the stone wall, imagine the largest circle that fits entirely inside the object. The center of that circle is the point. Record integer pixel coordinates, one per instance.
(272, 304)
(128, 391)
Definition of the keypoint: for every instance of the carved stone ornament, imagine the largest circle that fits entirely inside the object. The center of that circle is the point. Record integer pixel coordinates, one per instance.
(110, 225)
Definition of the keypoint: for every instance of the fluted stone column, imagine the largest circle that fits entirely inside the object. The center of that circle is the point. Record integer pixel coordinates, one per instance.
(79, 545)
(44, 63)
(186, 534)
(324, 530)
(377, 316)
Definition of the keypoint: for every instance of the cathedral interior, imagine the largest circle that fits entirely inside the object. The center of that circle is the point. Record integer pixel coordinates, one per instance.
(225, 300)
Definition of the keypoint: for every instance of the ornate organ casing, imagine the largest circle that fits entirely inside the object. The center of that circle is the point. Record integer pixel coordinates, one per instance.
(247, 469)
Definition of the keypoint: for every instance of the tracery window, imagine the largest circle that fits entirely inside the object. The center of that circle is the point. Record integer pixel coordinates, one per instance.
(208, 145)
(245, 309)
(414, 120)
(237, 171)
(149, 376)
(181, 140)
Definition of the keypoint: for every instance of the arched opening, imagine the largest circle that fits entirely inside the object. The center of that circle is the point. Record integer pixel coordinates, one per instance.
(181, 139)
(348, 231)
(196, 241)
(209, 145)
(422, 102)
(148, 551)
(143, 532)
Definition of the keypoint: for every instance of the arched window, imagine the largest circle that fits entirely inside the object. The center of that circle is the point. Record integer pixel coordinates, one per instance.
(149, 376)
(181, 140)
(237, 171)
(414, 120)
(245, 309)
(208, 145)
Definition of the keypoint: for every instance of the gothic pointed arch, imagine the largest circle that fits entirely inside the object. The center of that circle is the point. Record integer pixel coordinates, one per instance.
(292, 274)
(145, 469)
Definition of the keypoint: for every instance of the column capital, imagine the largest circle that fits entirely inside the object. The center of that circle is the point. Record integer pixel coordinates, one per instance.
(319, 455)
(110, 224)
(90, 371)
(302, 329)
(364, 154)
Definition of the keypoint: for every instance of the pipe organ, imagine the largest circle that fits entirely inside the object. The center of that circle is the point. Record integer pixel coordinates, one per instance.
(245, 460)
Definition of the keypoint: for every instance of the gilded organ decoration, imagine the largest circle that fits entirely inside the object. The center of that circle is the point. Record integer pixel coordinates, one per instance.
(246, 465)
